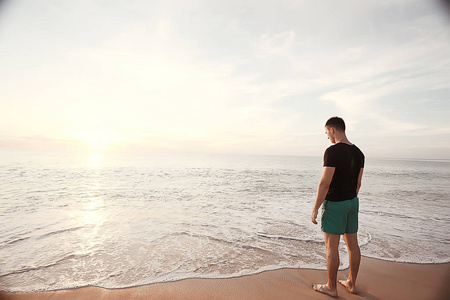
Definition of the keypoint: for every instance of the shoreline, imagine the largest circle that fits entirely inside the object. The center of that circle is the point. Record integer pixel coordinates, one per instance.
(377, 279)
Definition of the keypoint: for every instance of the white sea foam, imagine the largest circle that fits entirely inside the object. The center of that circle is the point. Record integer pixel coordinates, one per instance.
(134, 220)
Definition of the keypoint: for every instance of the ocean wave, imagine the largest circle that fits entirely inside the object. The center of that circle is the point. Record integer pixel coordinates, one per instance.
(397, 215)
(435, 260)
(362, 241)
(41, 267)
(65, 230)
(283, 237)
(16, 239)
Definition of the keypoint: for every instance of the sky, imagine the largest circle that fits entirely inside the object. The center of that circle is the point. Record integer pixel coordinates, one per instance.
(237, 77)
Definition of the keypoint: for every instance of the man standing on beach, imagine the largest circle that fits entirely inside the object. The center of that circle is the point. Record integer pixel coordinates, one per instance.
(338, 190)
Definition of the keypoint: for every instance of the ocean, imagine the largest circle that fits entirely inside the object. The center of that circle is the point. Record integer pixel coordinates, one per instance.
(120, 220)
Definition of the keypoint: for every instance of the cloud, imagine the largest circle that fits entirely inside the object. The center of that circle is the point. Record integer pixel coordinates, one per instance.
(278, 44)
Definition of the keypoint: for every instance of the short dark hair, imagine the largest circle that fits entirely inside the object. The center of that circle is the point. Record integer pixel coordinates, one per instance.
(336, 122)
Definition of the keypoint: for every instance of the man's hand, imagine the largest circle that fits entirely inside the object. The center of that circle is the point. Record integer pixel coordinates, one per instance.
(314, 216)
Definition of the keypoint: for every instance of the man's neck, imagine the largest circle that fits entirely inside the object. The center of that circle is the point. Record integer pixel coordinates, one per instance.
(342, 138)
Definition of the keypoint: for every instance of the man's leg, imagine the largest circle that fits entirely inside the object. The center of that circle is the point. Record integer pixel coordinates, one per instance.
(354, 254)
(332, 245)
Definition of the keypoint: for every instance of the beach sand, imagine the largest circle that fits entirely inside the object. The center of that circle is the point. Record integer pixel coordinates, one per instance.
(377, 279)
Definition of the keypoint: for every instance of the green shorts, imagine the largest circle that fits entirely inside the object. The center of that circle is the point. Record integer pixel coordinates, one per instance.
(340, 217)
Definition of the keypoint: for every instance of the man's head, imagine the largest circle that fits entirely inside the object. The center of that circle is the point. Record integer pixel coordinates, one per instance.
(336, 123)
(334, 126)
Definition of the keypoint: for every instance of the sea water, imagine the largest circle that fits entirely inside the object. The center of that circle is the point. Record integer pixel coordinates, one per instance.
(120, 220)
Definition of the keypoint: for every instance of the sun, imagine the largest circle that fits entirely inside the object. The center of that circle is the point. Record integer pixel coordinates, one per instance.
(96, 139)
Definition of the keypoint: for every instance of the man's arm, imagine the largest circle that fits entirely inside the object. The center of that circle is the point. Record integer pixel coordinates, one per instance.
(322, 190)
(359, 181)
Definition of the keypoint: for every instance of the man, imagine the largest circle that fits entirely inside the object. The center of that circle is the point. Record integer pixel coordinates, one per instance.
(338, 190)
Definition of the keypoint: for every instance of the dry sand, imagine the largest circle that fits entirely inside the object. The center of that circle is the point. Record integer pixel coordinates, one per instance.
(377, 280)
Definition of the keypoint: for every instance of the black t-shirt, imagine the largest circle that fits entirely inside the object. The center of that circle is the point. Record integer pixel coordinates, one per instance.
(348, 161)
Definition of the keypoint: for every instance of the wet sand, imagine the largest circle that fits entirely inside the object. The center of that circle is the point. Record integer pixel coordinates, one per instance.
(377, 279)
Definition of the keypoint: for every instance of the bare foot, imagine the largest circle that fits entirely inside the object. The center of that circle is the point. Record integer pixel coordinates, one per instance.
(349, 287)
(323, 288)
